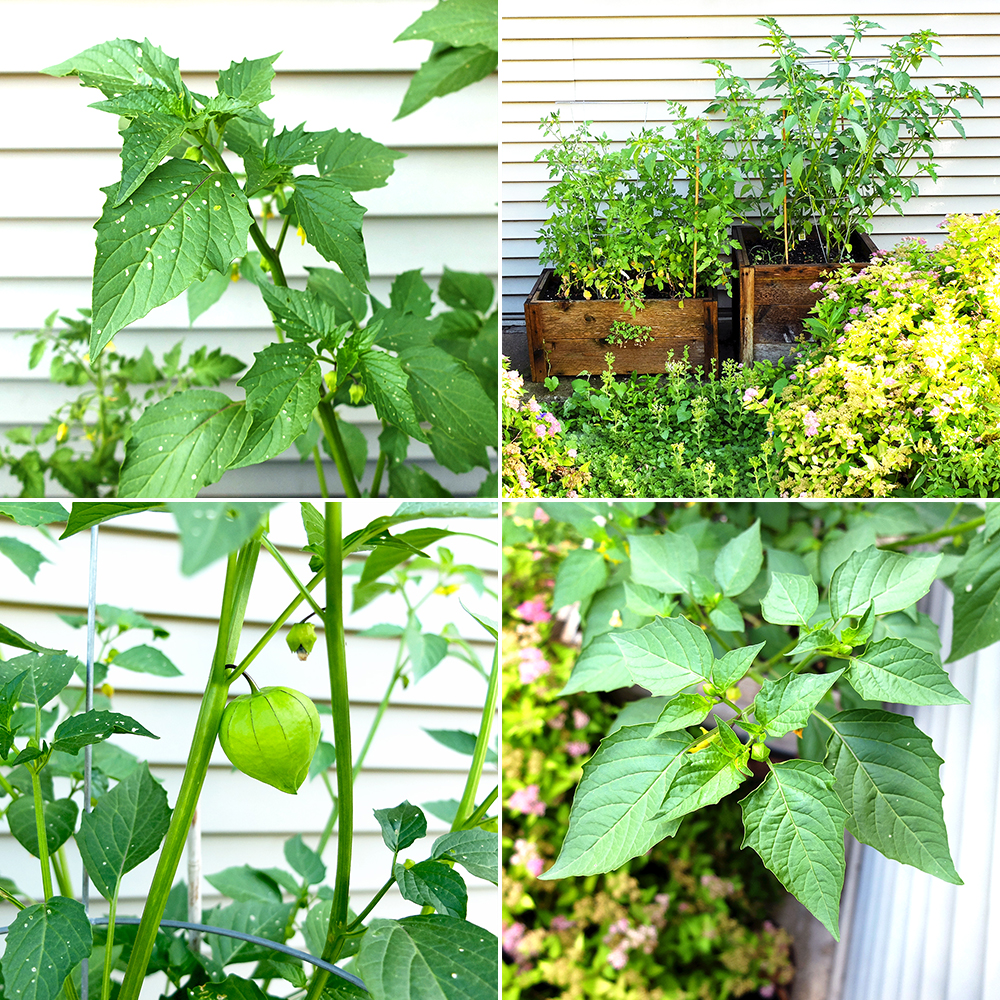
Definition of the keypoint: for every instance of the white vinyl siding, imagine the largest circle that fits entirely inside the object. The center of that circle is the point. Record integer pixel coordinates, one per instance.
(243, 820)
(339, 68)
(616, 64)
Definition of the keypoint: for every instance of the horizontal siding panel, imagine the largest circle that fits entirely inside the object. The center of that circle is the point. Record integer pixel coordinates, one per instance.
(226, 30)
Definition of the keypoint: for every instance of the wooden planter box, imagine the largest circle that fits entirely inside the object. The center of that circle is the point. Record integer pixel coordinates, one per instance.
(772, 300)
(569, 336)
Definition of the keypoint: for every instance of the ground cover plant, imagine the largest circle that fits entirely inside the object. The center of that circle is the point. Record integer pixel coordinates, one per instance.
(649, 218)
(747, 621)
(688, 919)
(897, 393)
(827, 141)
(179, 217)
(273, 735)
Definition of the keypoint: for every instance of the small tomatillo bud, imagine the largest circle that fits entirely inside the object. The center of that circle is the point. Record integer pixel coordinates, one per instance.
(301, 638)
(760, 752)
(193, 153)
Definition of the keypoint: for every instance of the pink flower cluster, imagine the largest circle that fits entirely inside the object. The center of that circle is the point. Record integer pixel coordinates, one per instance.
(526, 800)
(578, 748)
(526, 854)
(533, 665)
(625, 937)
(533, 611)
(811, 422)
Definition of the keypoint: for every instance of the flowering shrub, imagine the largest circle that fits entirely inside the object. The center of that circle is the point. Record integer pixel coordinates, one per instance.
(687, 919)
(670, 436)
(900, 394)
(535, 461)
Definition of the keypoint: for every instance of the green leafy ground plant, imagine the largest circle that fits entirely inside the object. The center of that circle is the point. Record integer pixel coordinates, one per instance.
(178, 218)
(747, 622)
(688, 919)
(131, 818)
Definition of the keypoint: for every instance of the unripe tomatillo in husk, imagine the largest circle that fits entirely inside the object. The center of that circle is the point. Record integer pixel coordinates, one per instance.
(301, 638)
(271, 735)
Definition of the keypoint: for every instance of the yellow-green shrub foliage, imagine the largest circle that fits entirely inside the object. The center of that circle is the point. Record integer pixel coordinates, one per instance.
(899, 393)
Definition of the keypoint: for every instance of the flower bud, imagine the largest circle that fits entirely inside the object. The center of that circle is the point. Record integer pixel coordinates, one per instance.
(301, 638)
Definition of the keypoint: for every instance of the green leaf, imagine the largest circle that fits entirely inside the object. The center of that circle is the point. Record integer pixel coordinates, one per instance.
(302, 315)
(795, 821)
(412, 481)
(146, 660)
(387, 388)
(85, 515)
(456, 22)
(249, 81)
(431, 883)
(9, 637)
(245, 884)
(667, 655)
(146, 140)
(665, 562)
(212, 530)
(977, 598)
(464, 290)
(448, 395)
(304, 860)
(460, 741)
(9, 695)
(445, 809)
(331, 220)
(436, 957)
(426, 650)
(886, 775)
(48, 674)
(786, 704)
(616, 811)
(791, 599)
(122, 65)
(895, 670)
(684, 710)
(60, 822)
(703, 779)
(283, 389)
(474, 850)
(125, 827)
(233, 987)
(267, 920)
(992, 520)
(33, 514)
(401, 825)
(732, 667)
(892, 580)
(647, 601)
(447, 70)
(726, 616)
(183, 443)
(323, 758)
(600, 667)
(82, 730)
(355, 162)
(44, 943)
(582, 573)
(350, 304)
(183, 221)
(739, 561)
(24, 556)
(202, 295)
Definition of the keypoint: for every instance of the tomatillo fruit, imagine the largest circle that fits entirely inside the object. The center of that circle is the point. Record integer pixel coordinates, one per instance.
(271, 735)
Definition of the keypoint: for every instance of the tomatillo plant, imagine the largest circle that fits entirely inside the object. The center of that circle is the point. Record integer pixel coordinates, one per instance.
(273, 735)
(813, 643)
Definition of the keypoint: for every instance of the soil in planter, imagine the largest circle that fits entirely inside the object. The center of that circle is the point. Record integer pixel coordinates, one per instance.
(808, 251)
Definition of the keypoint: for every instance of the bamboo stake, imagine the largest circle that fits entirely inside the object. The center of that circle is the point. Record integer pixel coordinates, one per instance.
(694, 275)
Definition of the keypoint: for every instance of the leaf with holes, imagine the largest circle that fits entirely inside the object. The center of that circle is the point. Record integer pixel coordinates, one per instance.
(60, 822)
(386, 387)
(183, 443)
(183, 221)
(331, 220)
(886, 775)
(79, 731)
(356, 162)
(47, 675)
(795, 821)
(212, 530)
(44, 943)
(401, 825)
(126, 826)
(431, 883)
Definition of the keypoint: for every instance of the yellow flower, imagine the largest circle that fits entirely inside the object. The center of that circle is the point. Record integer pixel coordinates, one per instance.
(447, 589)
(302, 235)
(63, 432)
(616, 619)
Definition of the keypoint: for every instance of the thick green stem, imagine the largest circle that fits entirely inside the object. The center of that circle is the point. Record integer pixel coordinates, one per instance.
(239, 576)
(466, 806)
(61, 868)
(328, 418)
(377, 480)
(43, 846)
(109, 947)
(333, 622)
(480, 812)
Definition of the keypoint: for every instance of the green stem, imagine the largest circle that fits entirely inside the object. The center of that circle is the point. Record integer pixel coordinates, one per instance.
(289, 572)
(465, 807)
(480, 812)
(320, 474)
(239, 577)
(389, 883)
(379, 467)
(328, 418)
(396, 674)
(274, 629)
(61, 867)
(43, 846)
(324, 838)
(333, 622)
(933, 536)
(9, 788)
(109, 947)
